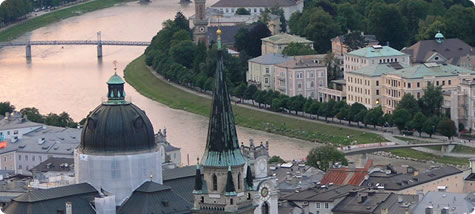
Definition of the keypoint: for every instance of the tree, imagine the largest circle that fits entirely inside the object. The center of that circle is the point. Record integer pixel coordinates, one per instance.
(388, 120)
(33, 114)
(296, 103)
(183, 52)
(181, 22)
(241, 39)
(242, 11)
(298, 49)
(354, 110)
(354, 41)
(349, 18)
(324, 156)
(447, 128)
(276, 159)
(307, 106)
(401, 117)
(387, 23)
(315, 108)
(460, 22)
(250, 91)
(360, 116)
(333, 69)
(429, 126)
(320, 29)
(342, 114)
(418, 121)
(432, 99)
(6, 107)
(330, 110)
(256, 33)
(240, 91)
(374, 116)
(430, 26)
(413, 11)
(260, 97)
(409, 103)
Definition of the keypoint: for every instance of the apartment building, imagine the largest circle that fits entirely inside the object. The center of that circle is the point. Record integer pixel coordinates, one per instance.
(301, 76)
(373, 55)
(386, 84)
(261, 70)
(277, 43)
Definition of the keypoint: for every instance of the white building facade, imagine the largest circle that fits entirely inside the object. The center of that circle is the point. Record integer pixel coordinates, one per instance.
(257, 7)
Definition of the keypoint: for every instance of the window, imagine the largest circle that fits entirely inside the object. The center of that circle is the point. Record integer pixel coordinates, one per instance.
(377, 83)
(239, 181)
(299, 75)
(437, 82)
(377, 92)
(27, 168)
(15, 132)
(299, 85)
(326, 205)
(4, 159)
(450, 82)
(318, 205)
(33, 158)
(19, 166)
(266, 80)
(443, 82)
(418, 84)
(26, 157)
(408, 85)
(267, 70)
(19, 157)
(231, 201)
(215, 182)
(418, 95)
(40, 158)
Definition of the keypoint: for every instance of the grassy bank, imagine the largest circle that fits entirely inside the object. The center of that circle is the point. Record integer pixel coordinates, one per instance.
(41, 21)
(138, 75)
(458, 148)
(428, 157)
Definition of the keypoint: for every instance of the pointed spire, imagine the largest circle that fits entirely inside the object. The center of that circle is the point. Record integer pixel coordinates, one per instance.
(249, 175)
(198, 181)
(222, 145)
(230, 189)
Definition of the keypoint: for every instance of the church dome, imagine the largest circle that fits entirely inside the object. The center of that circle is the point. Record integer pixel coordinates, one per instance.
(117, 126)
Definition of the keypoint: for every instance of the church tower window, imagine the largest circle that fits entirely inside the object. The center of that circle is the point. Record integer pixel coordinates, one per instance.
(215, 182)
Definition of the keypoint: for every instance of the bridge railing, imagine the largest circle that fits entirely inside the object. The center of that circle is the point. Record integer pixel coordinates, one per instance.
(367, 145)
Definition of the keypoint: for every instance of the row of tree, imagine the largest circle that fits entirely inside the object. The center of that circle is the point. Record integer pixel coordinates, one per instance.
(62, 120)
(399, 22)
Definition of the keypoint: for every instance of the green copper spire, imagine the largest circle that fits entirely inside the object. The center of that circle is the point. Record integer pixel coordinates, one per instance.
(222, 147)
(116, 94)
(230, 188)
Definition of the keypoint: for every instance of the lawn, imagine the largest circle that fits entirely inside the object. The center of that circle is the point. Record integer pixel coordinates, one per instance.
(41, 21)
(138, 75)
(458, 148)
(429, 157)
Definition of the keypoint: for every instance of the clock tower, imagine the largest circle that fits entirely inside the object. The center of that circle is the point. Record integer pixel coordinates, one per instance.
(266, 185)
(200, 22)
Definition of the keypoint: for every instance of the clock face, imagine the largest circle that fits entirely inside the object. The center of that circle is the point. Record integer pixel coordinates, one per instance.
(202, 29)
(264, 192)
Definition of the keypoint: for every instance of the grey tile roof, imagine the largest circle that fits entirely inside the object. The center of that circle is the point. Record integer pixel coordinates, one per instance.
(54, 199)
(353, 204)
(458, 203)
(16, 122)
(450, 48)
(271, 59)
(181, 180)
(152, 197)
(254, 3)
(228, 33)
(393, 204)
(54, 165)
(326, 194)
(396, 182)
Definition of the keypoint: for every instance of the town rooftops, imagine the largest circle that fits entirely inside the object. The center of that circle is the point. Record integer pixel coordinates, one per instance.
(254, 3)
(181, 180)
(342, 176)
(374, 202)
(455, 202)
(271, 59)
(449, 48)
(415, 72)
(284, 38)
(322, 193)
(396, 182)
(376, 51)
(306, 61)
(55, 164)
(15, 120)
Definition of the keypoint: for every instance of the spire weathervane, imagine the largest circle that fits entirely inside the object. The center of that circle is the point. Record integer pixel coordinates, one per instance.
(115, 66)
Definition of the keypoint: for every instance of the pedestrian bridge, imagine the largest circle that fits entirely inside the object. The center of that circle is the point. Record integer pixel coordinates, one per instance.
(99, 43)
(445, 147)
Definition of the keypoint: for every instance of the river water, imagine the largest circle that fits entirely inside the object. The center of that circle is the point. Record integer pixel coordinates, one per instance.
(72, 79)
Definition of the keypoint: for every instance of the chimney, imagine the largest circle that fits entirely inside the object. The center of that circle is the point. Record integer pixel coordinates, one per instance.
(384, 211)
(416, 172)
(429, 210)
(362, 198)
(387, 43)
(69, 208)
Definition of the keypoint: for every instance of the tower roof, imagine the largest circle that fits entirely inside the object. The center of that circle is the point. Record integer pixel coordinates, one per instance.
(222, 147)
(115, 79)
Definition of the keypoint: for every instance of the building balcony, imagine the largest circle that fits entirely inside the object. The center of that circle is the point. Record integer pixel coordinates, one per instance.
(281, 78)
(331, 92)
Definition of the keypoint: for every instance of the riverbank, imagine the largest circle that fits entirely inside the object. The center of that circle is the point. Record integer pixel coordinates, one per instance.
(140, 77)
(56, 16)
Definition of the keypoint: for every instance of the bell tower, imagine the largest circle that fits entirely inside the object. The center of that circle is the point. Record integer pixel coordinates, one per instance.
(200, 22)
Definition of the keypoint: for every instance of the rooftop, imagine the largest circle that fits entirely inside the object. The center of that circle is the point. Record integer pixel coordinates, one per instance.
(297, 176)
(322, 193)
(271, 59)
(373, 202)
(255, 3)
(15, 120)
(367, 38)
(378, 69)
(55, 164)
(284, 38)
(449, 48)
(342, 176)
(228, 33)
(306, 61)
(455, 202)
(376, 51)
(399, 181)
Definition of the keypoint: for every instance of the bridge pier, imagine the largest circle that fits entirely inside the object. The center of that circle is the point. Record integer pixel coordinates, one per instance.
(447, 148)
(28, 50)
(99, 51)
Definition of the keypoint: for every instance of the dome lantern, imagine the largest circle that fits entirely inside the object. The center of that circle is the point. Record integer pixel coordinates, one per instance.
(439, 37)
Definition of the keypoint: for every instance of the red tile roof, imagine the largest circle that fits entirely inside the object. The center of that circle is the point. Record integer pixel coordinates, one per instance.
(342, 176)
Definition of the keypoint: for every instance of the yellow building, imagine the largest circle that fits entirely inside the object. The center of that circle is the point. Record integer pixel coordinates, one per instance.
(386, 84)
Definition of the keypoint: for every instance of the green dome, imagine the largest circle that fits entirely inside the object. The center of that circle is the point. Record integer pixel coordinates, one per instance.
(439, 35)
(115, 79)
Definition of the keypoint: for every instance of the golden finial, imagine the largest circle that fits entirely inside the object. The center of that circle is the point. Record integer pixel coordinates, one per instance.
(218, 32)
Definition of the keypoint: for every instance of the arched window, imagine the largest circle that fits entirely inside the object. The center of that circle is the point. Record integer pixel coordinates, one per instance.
(202, 199)
(239, 181)
(231, 201)
(215, 182)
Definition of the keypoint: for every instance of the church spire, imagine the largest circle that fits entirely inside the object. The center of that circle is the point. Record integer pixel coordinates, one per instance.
(198, 182)
(249, 176)
(222, 147)
(230, 189)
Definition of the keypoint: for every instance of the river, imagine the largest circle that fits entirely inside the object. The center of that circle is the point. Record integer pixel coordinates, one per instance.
(72, 79)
